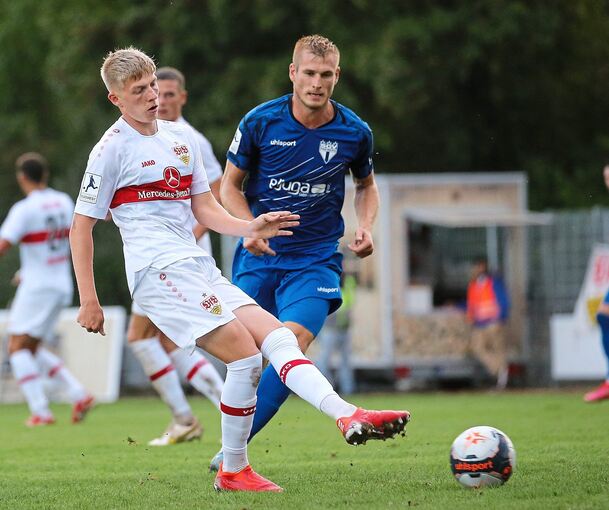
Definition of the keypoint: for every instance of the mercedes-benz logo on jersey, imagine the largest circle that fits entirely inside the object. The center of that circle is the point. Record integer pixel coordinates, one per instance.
(328, 150)
(171, 176)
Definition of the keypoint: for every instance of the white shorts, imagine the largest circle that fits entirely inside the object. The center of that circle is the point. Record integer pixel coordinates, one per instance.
(135, 309)
(205, 242)
(188, 299)
(35, 312)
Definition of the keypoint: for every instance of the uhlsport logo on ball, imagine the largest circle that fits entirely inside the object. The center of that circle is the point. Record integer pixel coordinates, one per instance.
(482, 456)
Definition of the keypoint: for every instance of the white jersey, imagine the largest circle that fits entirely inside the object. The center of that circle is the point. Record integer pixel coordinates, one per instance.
(40, 224)
(146, 183)
(213, 169)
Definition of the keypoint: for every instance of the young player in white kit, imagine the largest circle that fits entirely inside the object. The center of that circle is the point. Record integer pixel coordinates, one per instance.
(39, 224)
(176, 283)
(158, 355)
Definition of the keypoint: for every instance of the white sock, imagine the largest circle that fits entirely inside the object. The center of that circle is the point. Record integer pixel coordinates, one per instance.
(280, 347)
(200, 373)
(237, 407)
(158, 368)
(27, 375)
(52, 365)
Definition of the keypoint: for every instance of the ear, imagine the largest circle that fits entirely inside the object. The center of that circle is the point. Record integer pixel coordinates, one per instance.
(183, 97)
(337, 74)
(292, 72)
(114, 99)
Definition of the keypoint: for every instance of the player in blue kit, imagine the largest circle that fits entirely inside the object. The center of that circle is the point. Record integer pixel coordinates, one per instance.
(295, 151)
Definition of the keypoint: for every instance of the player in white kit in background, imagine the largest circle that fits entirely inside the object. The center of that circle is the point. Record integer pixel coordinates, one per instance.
(40, 224)
(176, 282)
(159, 356)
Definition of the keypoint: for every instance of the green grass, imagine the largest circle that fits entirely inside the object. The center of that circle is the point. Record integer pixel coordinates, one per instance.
(562, 448)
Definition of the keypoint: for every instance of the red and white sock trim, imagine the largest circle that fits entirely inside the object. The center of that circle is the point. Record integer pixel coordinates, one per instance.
(196, 368)
(27, 378)
(283, 373)
(237, 411)
(54, 370)
(161, 373)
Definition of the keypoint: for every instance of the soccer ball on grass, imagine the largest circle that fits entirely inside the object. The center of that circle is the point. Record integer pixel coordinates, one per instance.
(482, 456)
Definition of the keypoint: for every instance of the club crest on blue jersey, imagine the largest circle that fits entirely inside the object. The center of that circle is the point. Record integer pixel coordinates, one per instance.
(328, 150)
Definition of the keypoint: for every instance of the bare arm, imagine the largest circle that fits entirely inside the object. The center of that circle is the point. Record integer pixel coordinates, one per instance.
(4, 246)
(90, 315)
(198, 230)
(366, 208)
(231, 192)
(209, 213)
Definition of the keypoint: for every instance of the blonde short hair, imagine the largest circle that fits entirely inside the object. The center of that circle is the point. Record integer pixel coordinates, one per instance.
(126, 64)
(316, 44)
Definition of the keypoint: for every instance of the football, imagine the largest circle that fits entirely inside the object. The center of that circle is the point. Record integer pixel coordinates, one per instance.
(482, 456)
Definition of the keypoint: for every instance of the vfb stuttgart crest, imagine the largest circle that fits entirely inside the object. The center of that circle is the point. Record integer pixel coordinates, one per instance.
(211, 304)
(181, 151)
(328, 150)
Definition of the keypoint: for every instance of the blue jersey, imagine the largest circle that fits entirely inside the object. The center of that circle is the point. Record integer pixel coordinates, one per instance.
(291, 167)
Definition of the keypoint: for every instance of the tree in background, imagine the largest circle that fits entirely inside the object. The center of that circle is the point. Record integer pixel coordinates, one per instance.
(486, 85)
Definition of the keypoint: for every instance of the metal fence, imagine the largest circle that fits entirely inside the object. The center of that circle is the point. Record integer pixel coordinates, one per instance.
(558, 258)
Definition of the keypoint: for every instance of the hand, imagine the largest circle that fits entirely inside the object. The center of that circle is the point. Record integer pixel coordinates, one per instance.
(16, 279)
(91, 317)
(258, 247)
(272, 224)
(362, 245)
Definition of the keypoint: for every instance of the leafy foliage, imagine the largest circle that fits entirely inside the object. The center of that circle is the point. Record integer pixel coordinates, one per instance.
(486, 85)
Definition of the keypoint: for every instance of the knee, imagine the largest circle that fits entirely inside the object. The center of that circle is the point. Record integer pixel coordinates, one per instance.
(140, 328)
(249, 369)
(18, 343)
(277, 340)
(167, 344)
(303, 336)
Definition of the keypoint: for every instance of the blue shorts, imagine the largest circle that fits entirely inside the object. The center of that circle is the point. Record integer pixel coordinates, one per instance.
(278, 283)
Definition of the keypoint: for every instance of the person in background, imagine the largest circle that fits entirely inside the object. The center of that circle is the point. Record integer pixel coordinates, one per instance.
(487, 311)
(602, 317)
(39, 224)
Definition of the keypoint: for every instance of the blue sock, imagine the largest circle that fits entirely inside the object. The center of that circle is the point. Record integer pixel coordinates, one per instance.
(271, 394)
(603, 321)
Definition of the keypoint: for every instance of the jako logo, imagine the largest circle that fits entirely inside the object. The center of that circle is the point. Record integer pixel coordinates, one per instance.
(284, 143)
(148, 163)
(284, 371)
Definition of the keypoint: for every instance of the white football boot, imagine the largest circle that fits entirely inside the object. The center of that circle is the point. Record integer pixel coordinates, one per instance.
(176, 433)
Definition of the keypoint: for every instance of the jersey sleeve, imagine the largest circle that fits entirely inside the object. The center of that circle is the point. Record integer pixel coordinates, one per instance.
(211, 164)
(14, 226)
(242, 150)
(99, 182)
(200, 183)
(362, 166)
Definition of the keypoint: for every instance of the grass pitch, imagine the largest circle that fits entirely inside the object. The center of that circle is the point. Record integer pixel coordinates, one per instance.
(562, 448)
